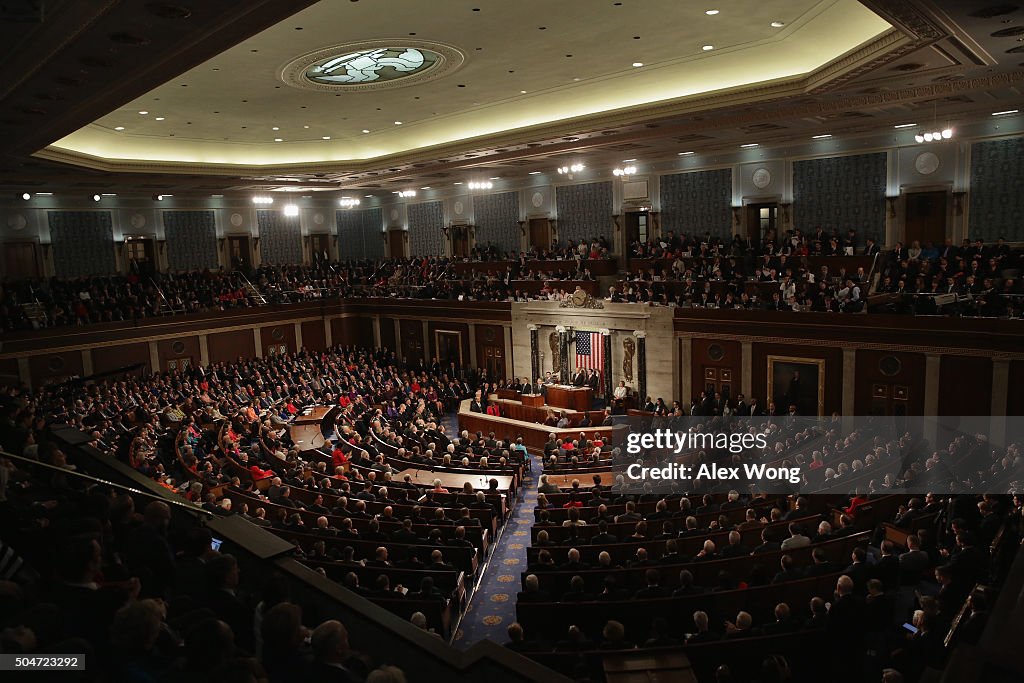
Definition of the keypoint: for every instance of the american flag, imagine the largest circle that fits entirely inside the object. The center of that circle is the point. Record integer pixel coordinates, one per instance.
(590, 351)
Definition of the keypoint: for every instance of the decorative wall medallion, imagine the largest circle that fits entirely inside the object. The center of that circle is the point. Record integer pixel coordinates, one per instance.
(55, 363)
(458, 208)
(716, 352)
(16, 222)
(762, 178)
(394, 214)
(318, 218)
(178, 347)
(580, 299)
(236, 219)
(537, 199)
(371, 65)
(138, 221)
(277, 334)
(926, 163)
(890, 366)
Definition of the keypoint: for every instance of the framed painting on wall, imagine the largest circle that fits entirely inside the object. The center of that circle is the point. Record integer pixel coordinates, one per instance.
(797, 381)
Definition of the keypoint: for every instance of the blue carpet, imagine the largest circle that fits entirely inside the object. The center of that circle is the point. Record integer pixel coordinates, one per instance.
(493, 606)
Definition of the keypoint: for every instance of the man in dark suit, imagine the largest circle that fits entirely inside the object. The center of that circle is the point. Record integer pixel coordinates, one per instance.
(652, 589)
(580, 379)
(222, 579)
(735, 548)
(594, 381)
(331, 655)
(820, 564)
(887, 569)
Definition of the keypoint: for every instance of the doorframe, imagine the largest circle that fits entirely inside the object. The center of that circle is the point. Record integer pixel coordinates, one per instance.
(901, 209)
(750, 200)
(227, 263)
(124, 265)
(37, 250)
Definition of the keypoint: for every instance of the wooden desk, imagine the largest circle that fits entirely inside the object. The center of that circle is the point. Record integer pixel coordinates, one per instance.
(306, 431)
(574, 398)
(534, 435)
(453, 481)
(532, 400)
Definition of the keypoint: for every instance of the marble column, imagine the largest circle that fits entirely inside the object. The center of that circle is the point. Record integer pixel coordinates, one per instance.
(1000, 394)
(204, 350)
(685, 371)
(298, 336)
(606, 370)
(24, 372)
(747, 370)
(849, 381)
(426, 344)
(376, 331)
(87, 362)
(534, 358)
(328, 334)
(472, 346)
(509, 368)
(256, 341)
(641, 365)
(932, 364)
(563, 353)
(154, 353)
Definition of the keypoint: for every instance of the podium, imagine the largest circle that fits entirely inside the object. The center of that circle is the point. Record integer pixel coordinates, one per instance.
(579, 399)
(533, 400)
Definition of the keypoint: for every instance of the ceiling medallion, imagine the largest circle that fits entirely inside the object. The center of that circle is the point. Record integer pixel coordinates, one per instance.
(372, 65)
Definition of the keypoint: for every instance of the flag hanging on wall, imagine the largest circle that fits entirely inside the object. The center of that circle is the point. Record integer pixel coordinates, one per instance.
(590, 351)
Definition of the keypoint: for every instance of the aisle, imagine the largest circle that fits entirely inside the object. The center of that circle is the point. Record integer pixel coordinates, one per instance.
(493, 606)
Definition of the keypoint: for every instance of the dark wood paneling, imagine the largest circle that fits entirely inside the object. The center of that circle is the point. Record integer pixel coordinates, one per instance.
(490, 348)
(48, 367)
(175, 349)
(105, 358)
(313, 337)
(965, 385)
(706, 358)
(387, 333)
(412, 340)
(875, 392)
(354, 331)
(277, 335)
(833, 372)
(228, 346)
(1015, 401)
(9, 371)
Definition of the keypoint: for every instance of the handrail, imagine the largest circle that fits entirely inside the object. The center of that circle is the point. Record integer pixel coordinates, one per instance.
(191, 507)
(166, 301)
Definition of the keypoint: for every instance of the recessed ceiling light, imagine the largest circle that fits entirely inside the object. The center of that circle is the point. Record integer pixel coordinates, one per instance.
(118, 127)
(278, 139)
(1004, 113)
(905, 125)
(638, 64)
(456, 183)
(425, 188)
(398, 123)
(575, 80)
(326, 137)
(43, 194)
(821, 137)
(275, 128)
(160, 118)
(108, 194)
(626, 161)
(749, 144)
(496, 178)
(216, 196)
(522, 92)
(534, 173)
(683, 154)
(365, 130)
(305, 126)
(778, 24)
(369, 196)
(711, 12)
(26, 196)
(707, 47)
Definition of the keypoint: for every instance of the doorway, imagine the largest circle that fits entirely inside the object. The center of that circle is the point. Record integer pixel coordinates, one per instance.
(320, 247)
(460, 241)
(140, 256)
(540, 233)
(762, 219)
(638, 224)
(494, 362)
(718, 381)
(21, 260)
(396, 243)
(925, 217)
(448, 347)
(240, 253)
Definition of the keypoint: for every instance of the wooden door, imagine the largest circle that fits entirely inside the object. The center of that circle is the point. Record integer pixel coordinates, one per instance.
(540, 233)
(21, 260)
(718, 380)
(638, 226)
(140, 255)
(494, 362)
(319, 247)
(926, 218)
(460, 241)
(239, 252)
(396, 243)
(762, 219)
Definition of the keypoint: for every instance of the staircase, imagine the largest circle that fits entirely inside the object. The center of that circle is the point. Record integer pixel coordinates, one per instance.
(250, 289)
(165, 307)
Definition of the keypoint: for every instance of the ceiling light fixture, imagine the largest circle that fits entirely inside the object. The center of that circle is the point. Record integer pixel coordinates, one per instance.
(425, 188)
(748, 145)
(706, 48)
(160, 118)
(44, 194)
(821, 137)
(262, 200)
(638, 64)
(365, 130)
(624, 172)
(574, 168)
(407, 193)
(1005, 113)
(904, 125)
(482, 185)
(778, 24)
(275, 128)
(458, 183)
(291, 210)
(534, 173)
(26, 196)
(326, 137)
(143, 113)
(349, 202)
(118, 127)
(684, 154)
(496, 178)
(398, 123)
(626, 161)
(96, 198)
(711, 12)
(278, 139)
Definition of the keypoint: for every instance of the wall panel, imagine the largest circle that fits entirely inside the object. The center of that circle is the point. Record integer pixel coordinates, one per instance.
(697, 202)
(313, 336)
(889, 382)
(178, 349)
(277, 336)
(717, 362)
(965, 385)
(585, 211)
(997, 202)
(54, 367)
(839, 193)
(228, 346)
(106, 358)
(833, 358)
